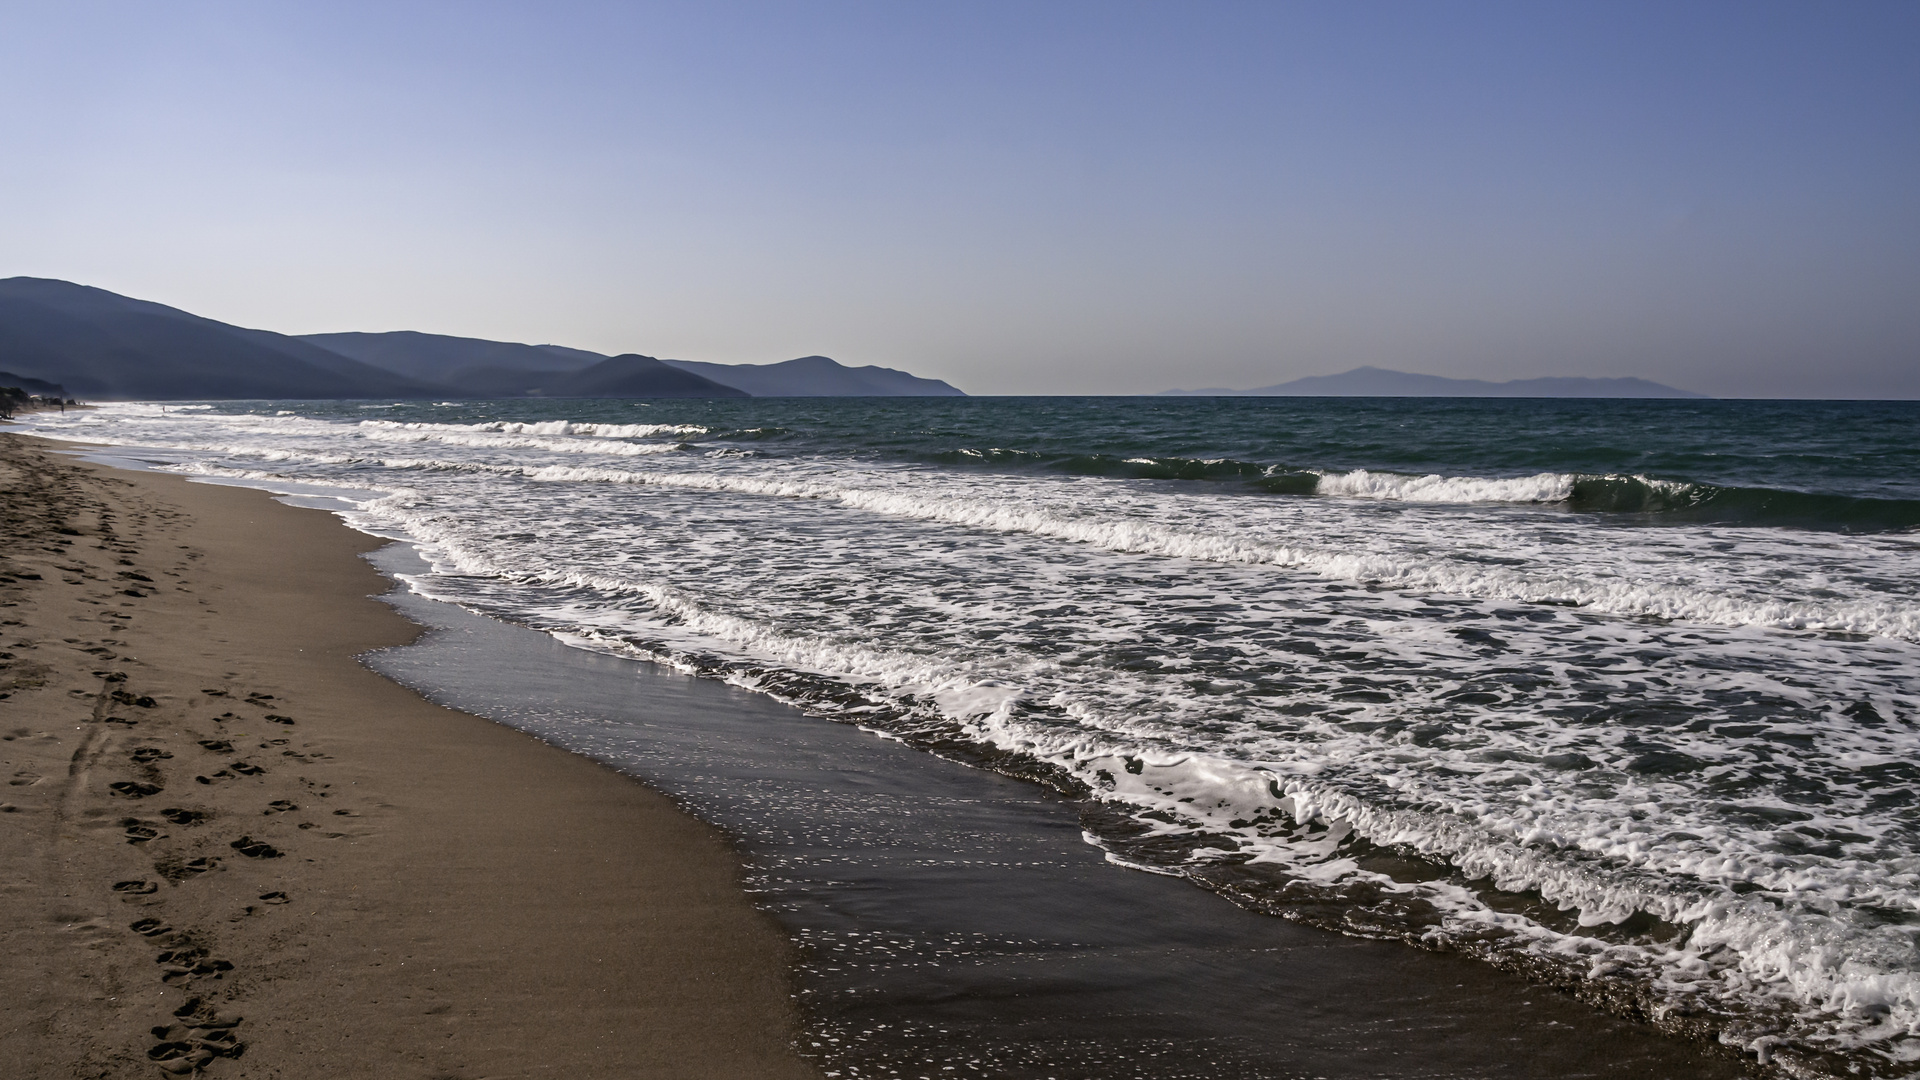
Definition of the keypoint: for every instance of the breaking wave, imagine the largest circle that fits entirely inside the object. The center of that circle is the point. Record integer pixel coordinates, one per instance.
(1328, 705)
(1657, 500)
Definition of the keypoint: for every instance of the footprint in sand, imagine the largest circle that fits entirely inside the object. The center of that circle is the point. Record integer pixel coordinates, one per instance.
(184, 817)
(280, 806)
(133, 789)
(135, 888)
(179, 965)
(274, 897)
(140, 833)
(244, 769)
(148, 753)
(180, 1058)
(176, 869)
(255, 849)
(149, 927)
(218, 746)
(195, 1038)
(276, 718)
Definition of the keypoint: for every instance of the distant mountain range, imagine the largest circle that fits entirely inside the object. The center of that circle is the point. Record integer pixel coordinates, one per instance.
(817, 376)
(1379, 382)
(101, 345)
(499, 369)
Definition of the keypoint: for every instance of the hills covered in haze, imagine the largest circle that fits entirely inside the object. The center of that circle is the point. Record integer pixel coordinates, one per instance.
(1379, 382)
(473, 367)
(817, 376)
(101, 345)
(501, 369)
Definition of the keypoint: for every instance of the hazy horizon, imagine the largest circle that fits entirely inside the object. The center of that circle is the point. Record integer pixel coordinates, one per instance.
(1060, 198)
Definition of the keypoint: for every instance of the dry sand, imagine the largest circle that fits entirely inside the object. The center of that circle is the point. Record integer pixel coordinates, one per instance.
(227, 845)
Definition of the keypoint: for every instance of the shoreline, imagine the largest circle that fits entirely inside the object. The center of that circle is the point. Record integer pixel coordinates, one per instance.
(989, 933)
(954, 920)
(239, 849)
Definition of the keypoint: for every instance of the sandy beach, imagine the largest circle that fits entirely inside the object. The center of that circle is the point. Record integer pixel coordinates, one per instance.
(230, 847)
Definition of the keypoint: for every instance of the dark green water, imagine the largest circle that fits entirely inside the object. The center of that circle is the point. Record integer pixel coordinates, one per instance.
(1834, 465)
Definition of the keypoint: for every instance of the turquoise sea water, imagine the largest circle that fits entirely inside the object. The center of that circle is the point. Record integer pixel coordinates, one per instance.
(1625, 693)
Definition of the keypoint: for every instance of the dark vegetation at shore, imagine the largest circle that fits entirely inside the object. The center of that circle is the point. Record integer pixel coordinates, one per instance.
(17, 393)
(101, 345)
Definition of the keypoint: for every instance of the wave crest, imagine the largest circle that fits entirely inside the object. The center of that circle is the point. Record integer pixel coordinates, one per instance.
(1434, 488)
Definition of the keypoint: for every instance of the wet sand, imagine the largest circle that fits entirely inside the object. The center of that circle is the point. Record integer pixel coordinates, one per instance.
(231, 847)
(954, 922)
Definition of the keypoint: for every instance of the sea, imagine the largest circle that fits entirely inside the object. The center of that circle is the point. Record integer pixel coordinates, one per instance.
(1621, 696)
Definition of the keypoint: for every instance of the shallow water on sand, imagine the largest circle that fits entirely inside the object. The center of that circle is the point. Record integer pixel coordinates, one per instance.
(953, 922)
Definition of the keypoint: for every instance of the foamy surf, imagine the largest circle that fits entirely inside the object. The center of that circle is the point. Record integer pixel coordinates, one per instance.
(1649, 740)
(1433, 488)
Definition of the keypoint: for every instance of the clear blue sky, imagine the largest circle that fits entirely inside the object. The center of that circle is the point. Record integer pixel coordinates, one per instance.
(1021, 197)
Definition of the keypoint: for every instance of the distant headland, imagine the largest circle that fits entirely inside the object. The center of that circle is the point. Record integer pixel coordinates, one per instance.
(1379, 382)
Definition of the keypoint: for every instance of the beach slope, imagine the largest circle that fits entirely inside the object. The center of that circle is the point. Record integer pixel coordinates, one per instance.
(229, 846)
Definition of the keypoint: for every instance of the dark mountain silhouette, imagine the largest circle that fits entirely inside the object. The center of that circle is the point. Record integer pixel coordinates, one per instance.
(581, 357)
(631, 375)
(523, 370)
(498, 368)
(493, 382)
(104, 346)
(99, 344)
(1379, 382)
(818, 376)
(437, 358)
(476, 367)
(36, 387)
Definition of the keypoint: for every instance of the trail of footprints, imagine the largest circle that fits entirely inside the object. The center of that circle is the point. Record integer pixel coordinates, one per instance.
(180, 803)
(197, 1033)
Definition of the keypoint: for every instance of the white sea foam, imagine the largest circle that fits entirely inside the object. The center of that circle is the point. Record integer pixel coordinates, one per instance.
(1128, 534)
(447, 434)
(1746, 943)
(549, 427)
(1298, 675)
(1363, 484)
